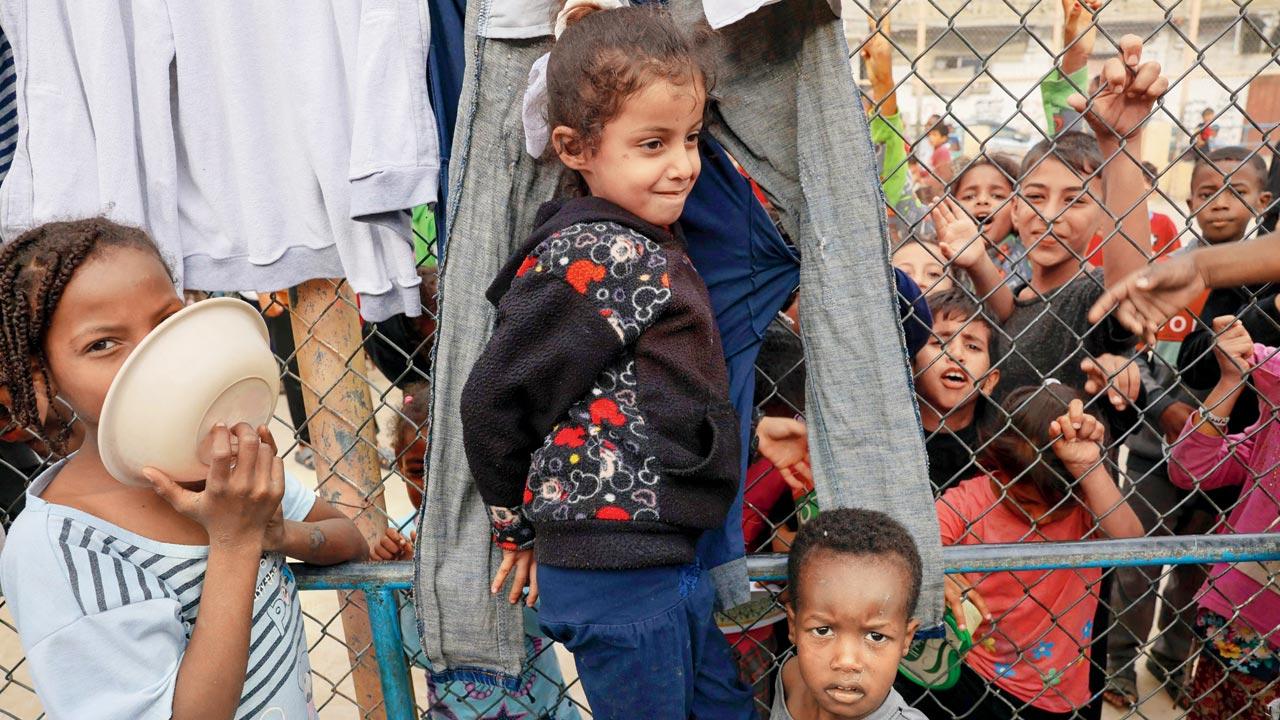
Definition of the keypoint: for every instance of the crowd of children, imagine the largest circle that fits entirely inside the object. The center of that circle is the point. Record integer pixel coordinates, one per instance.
(598, 429)
(1012, 253)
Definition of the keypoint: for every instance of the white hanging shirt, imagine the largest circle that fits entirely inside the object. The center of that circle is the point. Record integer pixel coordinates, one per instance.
(261, 144)
(520, 19)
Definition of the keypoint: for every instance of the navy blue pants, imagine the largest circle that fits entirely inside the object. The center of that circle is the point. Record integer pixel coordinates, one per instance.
(645, 642)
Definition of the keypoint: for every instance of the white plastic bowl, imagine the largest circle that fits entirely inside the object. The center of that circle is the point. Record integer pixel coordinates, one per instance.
(209, 363)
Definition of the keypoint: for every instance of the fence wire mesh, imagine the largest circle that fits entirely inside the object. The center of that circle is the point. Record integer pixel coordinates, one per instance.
(983, 170)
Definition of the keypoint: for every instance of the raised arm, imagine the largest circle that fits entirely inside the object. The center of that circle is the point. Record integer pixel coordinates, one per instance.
(1078, 446)
(1071, 74)
(1146, 299)
(877, 57)
(885, 124)
(963, 246)
(1205, 455)
(1121, 98)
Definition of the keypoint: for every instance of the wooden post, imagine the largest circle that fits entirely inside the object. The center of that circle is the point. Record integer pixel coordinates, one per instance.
(922, 35)
(326, 330)
(1190, 53)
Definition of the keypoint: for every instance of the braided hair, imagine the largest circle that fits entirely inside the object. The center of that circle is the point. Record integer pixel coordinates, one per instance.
(35, 269)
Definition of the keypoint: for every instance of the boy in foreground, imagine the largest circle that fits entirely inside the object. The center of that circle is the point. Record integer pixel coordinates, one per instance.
(854, 577)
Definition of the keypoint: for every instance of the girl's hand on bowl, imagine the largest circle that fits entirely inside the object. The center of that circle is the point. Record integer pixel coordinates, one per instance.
(242, 491)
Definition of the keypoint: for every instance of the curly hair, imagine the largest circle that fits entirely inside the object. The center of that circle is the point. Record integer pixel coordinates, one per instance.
(861, 532)
(1245, 158)
(606, 56)
(35, 269)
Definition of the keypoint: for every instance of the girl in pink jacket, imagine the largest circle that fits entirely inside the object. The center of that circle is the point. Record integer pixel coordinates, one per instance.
(1237, 670)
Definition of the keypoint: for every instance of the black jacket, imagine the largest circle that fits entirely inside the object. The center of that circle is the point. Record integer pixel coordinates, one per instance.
(1256, 309)
(597, 417)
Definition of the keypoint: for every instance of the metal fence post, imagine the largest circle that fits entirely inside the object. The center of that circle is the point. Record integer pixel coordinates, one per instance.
(388, 646)
(330, 363)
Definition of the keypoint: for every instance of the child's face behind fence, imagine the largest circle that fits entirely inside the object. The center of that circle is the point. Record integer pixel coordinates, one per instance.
(1224, 200)
(924, 264)
(646, 160)
(985, 193)
(1056, 213)
(850, 627)
(411, 448)
(111, 303)
(955, 365)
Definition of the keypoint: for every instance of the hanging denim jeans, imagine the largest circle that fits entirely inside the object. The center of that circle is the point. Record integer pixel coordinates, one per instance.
(788, 111)
(496, 188)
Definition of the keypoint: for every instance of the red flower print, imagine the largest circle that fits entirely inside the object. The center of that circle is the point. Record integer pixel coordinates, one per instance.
(582, 273)
(571, 437)
(527, 265)
(612, 512)
(606, 410)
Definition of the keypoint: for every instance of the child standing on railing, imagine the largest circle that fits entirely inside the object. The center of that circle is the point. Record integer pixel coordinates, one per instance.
(1238, 668)
(1048, 484)
(596, 422)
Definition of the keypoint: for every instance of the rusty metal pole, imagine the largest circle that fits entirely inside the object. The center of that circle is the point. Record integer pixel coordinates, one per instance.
(1190, 55)
(326, 328)
(922, 35)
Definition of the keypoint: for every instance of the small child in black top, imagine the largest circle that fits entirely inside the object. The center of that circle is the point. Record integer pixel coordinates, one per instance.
(954, 380)
(1228, 197)
(596, 421)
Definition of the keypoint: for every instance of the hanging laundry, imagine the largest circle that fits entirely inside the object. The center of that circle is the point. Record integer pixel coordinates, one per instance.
(522, 19)
(261, 144)
(8, 107)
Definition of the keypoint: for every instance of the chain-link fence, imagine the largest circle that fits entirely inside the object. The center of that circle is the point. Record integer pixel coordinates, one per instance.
(1010, 222)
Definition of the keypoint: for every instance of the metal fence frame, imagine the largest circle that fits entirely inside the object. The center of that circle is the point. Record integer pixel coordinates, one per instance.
(380, 581)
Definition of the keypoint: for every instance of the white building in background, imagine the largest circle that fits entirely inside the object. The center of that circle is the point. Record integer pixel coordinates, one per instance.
(983, 60)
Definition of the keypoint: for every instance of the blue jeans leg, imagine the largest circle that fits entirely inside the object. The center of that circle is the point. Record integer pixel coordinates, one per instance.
(644, 641)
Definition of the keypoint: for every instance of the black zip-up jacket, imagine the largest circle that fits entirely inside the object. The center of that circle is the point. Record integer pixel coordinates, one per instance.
(1255, 307)
(597, 417)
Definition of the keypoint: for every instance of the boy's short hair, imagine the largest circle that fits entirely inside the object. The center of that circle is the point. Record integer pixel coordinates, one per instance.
(1077, 150)
(1149, 169)
(956, 302)
(1233, 153)
(856, 531)
(1004, 162)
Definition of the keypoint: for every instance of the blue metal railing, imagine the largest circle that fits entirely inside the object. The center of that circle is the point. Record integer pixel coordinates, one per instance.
(380, 581)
